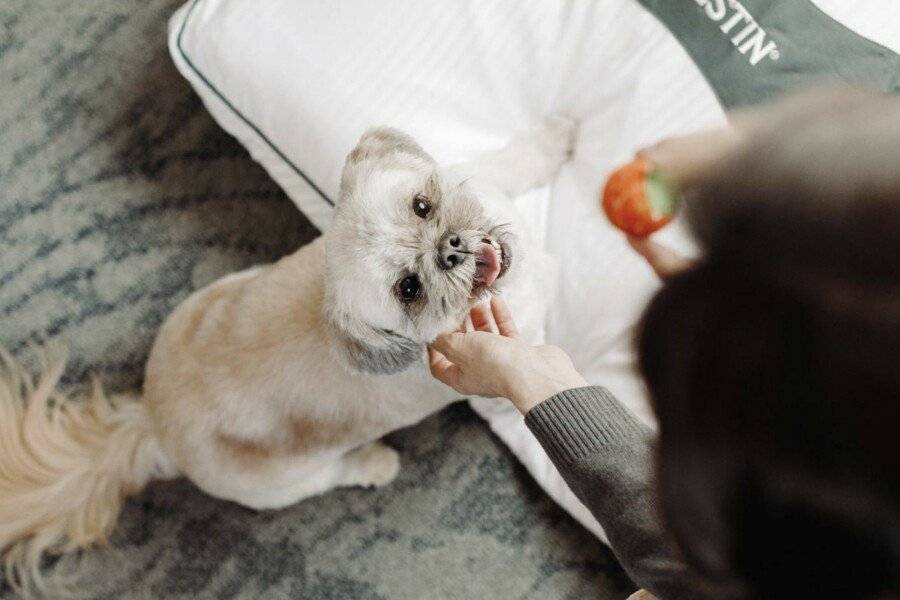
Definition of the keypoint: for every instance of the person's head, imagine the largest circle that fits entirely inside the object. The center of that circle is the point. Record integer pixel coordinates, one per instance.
(774, 363)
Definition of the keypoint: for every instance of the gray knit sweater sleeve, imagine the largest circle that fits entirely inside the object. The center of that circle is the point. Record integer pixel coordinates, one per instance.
(604, 454)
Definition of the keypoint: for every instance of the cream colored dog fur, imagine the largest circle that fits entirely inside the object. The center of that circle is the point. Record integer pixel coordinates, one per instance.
(276, 383)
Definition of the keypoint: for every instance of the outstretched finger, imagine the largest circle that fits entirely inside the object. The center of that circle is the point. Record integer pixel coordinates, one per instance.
(442, 369)
(482, 319)
(450, 345)
(503, 317)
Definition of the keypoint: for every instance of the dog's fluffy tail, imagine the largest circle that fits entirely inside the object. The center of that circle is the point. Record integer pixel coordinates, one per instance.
(65, 468)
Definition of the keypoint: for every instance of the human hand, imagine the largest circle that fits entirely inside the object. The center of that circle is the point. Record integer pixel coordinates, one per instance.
(501, 364)
(688, 158)
(812, 129)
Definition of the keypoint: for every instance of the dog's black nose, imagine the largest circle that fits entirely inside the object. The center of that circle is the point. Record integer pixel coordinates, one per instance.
(451, 252)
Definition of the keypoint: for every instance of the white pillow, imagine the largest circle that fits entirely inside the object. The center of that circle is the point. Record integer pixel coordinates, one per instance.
(297, 83)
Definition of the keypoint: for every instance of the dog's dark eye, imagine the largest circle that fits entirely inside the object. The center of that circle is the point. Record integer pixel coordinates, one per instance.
(409, 288)
(421, 206)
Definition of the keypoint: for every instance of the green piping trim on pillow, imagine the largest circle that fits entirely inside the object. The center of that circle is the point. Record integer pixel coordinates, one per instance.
(238, 113)
(751, 51)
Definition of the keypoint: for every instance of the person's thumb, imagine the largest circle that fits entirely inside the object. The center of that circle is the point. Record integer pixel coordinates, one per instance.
(451, 345)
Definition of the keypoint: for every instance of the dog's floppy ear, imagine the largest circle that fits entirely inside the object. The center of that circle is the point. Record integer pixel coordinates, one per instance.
(381, 144)
(371, 350)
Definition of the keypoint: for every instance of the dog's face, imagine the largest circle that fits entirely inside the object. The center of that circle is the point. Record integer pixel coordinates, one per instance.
(410, 251)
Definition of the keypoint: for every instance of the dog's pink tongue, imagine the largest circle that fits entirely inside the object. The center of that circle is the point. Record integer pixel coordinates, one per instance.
(487, 265)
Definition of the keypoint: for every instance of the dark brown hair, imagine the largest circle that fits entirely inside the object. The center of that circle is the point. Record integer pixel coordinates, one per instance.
(774, 364)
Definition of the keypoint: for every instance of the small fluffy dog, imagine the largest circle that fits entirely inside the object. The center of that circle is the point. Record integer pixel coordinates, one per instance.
(274, 384)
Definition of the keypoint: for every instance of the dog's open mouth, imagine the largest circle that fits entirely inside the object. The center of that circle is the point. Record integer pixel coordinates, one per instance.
(492, 260)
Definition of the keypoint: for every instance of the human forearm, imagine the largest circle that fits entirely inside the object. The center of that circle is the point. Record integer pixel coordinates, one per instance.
(604, 454)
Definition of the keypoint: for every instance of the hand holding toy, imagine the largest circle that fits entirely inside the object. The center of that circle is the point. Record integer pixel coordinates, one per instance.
(644, 195)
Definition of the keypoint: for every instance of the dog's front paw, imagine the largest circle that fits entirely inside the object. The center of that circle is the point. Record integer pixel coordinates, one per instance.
(531, 159)
(556, 138)
(541, 151)
(378, 464)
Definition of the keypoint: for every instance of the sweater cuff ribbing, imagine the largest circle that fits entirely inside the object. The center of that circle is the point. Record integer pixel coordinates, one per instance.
(582, 421)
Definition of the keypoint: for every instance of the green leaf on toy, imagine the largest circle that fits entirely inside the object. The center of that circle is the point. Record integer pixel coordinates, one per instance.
(663, 198)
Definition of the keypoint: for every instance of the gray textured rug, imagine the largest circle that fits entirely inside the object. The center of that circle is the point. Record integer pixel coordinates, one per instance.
(118, 197)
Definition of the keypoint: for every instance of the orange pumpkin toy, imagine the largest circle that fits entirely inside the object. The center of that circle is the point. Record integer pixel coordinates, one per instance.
(638, 199)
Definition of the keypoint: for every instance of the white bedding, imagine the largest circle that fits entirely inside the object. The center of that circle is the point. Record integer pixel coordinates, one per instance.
(297, 83)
